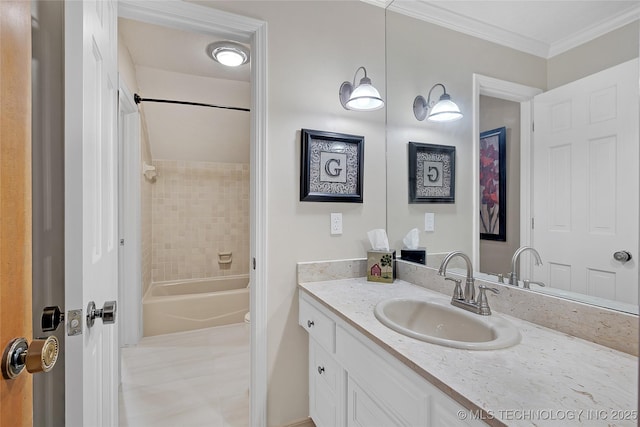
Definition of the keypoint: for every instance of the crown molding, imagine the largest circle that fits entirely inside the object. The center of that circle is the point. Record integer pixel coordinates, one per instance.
(595, 31)
(462, 24)
(428, 12)
(380, 3)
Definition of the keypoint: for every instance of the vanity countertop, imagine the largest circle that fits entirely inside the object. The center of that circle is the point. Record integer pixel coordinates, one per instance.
(550, 378)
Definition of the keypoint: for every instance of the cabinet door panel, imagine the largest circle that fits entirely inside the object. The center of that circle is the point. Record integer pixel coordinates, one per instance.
(363, 411)
(398, 394)
(325, 388)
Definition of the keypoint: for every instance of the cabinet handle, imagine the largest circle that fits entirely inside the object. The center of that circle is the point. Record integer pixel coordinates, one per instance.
(320, 369)
(310, 323)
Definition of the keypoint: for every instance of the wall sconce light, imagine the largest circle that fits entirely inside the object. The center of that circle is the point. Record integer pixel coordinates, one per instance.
(445, 110)
(228, 53)
(363, 97)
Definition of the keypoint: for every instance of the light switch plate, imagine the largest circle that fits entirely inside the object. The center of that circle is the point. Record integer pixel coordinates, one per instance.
(429, 221)
(336, 223)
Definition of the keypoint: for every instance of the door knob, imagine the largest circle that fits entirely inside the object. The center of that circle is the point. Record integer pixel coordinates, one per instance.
(40, 356)
(622, 256)
(107, 313)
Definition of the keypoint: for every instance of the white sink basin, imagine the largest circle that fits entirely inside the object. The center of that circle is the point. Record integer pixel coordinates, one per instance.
(438, 322)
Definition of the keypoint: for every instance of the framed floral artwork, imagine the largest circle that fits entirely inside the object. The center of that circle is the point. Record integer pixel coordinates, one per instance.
(493, 185)
(432, 173)
(331, 167)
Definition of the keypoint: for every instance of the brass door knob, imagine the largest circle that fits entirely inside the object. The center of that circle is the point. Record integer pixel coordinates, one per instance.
(40, 356)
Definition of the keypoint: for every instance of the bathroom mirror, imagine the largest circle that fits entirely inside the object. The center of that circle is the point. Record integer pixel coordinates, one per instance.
(422, 52)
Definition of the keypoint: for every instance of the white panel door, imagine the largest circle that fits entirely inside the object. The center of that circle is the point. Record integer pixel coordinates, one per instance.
(585, 195)
(91, 251)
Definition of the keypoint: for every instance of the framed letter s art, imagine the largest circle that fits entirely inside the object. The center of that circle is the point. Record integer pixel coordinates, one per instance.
(331, 167)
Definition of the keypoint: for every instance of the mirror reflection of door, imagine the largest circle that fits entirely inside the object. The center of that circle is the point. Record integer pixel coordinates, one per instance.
(495, 256)
(585, 194)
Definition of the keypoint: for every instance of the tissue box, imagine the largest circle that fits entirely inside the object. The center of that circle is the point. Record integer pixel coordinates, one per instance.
(418, 256)
(381, 266)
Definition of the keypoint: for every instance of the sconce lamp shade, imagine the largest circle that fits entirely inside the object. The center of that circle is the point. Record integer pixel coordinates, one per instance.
(445, 110)
(363, 97)
(228, 53)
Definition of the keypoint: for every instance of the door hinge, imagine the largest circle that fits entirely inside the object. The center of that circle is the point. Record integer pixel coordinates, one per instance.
(121, 242)
(254, 263)
(533, 126)
(74, 322)
(533, 223)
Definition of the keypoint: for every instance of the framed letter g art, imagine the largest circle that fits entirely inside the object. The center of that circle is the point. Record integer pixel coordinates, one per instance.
(432, 173)
(331, 167)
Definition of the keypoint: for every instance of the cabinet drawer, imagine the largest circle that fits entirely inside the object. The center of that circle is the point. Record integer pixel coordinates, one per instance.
(319, 326)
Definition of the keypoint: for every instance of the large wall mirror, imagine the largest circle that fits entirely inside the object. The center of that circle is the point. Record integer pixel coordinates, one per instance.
(513, 65)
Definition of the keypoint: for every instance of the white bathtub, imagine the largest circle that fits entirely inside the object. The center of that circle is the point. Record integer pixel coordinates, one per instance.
(194, 304)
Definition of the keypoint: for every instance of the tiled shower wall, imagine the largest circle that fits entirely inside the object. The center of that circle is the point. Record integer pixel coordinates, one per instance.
(199, 210)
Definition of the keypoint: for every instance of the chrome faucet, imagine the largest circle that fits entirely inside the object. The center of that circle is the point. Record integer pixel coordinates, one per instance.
(466, 300)
(469, 294)
(515, 264)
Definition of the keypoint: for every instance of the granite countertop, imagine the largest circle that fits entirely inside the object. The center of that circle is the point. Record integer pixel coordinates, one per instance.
(550, 378)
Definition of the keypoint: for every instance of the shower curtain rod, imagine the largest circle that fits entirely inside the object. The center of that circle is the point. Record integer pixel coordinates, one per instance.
(138, 99)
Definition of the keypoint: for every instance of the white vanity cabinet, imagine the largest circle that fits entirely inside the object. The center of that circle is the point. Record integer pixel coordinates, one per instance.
(326, 376)
(354, 382)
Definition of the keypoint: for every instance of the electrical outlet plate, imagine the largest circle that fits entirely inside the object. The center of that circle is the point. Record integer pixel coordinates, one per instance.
(429, 221)
(336, 223)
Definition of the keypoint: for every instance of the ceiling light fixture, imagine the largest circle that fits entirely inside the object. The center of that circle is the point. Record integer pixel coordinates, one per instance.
(445, 110)
(228, 53)
(363, 97)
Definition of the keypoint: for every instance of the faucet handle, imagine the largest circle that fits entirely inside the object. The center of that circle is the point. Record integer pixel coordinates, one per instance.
(457, 290)
(483, 288)
(483, 303)
(500, 277)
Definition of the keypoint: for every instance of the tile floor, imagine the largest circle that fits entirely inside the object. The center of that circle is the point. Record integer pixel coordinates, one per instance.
(195, 378)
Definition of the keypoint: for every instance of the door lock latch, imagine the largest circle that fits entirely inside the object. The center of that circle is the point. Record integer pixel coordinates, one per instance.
(51, 318)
